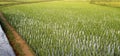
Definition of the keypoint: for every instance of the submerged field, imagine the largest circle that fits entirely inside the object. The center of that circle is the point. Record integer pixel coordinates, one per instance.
(67, 28)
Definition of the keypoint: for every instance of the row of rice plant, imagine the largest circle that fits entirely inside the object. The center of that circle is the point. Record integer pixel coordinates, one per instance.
(67, 28)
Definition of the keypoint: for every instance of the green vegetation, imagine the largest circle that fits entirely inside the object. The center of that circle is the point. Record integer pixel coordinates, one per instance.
(6, 2)
(112, 4)
(67, 28)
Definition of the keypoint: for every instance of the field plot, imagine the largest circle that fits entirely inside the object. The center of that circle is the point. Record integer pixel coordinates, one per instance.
(113, 4)
(3, 3)
(67, 28)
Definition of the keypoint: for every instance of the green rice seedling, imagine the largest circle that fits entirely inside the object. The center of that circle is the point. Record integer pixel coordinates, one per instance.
(67, 28)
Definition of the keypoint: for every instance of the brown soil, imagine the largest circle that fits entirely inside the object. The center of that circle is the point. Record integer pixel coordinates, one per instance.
(25, 48)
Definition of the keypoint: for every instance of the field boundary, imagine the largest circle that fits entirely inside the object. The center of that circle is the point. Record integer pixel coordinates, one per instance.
(23, 45)
(108, 4)
(19, 3)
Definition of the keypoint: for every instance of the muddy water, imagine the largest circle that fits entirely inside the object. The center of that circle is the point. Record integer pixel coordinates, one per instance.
(5, 48)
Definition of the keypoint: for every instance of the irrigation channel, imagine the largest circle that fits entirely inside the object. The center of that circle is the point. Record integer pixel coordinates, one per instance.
(5, 48)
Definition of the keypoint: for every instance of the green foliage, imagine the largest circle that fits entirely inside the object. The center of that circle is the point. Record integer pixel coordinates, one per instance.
(67, 28)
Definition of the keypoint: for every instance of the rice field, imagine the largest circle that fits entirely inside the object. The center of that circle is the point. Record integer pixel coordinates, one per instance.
(67, 28)
(6, 2)
(113, 4)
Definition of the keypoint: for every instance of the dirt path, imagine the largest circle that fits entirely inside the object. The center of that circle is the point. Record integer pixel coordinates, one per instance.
(25, 48)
